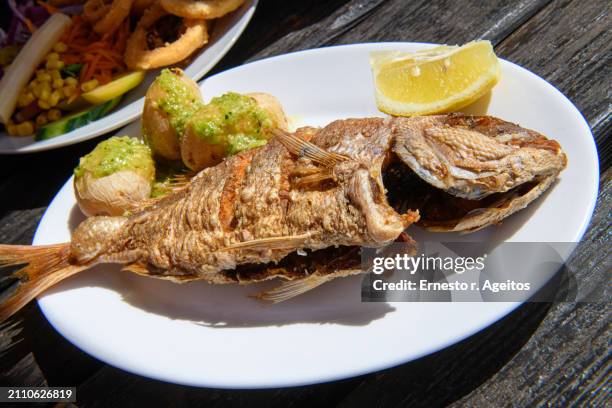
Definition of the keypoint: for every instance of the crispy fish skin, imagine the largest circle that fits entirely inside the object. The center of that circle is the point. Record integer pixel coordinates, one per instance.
(193, 233)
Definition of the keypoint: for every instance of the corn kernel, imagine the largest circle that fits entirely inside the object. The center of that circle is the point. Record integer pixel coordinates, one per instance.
(58, 83)
(69, 90)
(43, 104)
(41, 119)
(89, 85)
(12, 130)
(54, 64)
(45, 94)
(44, 77)
(55, 75)
(60, 47)
(32, 84)
(53, 56)
(25, 128)
(25, 99)
(37, 91)
(54, 98)
(54, 114)
(71, 81)
(39, 73)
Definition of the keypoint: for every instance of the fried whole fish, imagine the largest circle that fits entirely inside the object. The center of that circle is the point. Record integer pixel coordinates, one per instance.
(300, 207)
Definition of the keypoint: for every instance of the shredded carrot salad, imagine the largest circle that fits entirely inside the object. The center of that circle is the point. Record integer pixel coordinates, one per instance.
(101, 55)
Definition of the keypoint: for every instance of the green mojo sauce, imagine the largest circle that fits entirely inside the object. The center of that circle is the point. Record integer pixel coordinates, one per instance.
(180, 101)
(164, 174)
(116, 154)
(235, 120)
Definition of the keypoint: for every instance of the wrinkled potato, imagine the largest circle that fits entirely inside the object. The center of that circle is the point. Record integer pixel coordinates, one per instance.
(197, 153)
(273, 107)
(111, 195)
(114, 177)
(169, 103)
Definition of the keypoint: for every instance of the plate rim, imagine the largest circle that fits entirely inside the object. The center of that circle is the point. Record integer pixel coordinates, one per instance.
(504, 310)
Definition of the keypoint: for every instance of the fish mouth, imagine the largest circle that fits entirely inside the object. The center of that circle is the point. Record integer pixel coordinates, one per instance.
(440, 210)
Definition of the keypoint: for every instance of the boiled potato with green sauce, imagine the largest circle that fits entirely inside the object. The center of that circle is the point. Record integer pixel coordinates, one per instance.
(170, 102)
(114, 177)
(228, 125)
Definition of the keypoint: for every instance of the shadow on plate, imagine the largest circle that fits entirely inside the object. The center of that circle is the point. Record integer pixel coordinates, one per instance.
(223, 306)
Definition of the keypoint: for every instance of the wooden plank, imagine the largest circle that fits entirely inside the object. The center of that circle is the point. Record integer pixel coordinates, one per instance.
(569, 43)
(113, 387)
(442, 21)
(377, 20)
(284, 26)
(602, 130)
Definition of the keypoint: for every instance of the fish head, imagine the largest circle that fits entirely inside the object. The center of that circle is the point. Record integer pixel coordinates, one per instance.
(464, 173)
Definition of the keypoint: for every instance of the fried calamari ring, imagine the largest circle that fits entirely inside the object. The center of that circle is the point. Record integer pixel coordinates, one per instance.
(106, 17)
(138, 53)
(200, 9)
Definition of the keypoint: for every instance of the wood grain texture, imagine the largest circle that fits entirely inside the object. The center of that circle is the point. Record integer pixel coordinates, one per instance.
(569, 44)
(541, 354)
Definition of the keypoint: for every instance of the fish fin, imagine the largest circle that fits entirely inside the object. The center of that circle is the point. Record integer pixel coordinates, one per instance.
(177, 184)
(44, 266)
(291, 289)
(138, 268)
(313, 179)
(301, 147)
(271, 242)
(181, 180)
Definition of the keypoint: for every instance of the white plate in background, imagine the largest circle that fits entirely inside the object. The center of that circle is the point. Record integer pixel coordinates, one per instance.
(225, 33)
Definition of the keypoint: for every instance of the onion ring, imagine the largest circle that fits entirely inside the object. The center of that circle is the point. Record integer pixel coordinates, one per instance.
(105, 17)
(137, 54)
(201, 9)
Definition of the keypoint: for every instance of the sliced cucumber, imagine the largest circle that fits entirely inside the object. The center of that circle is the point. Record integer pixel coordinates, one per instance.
(76, 120)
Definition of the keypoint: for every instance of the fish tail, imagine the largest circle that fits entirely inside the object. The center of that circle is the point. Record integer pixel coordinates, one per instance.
(43, 266)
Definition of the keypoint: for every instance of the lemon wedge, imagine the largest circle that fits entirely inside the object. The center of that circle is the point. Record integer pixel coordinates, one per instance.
(438, 80)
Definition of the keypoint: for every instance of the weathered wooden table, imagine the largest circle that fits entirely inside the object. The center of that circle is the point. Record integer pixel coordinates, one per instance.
(541, 354)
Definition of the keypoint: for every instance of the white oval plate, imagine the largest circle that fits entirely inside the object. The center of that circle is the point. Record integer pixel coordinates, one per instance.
(215, 336)
(225, 33)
